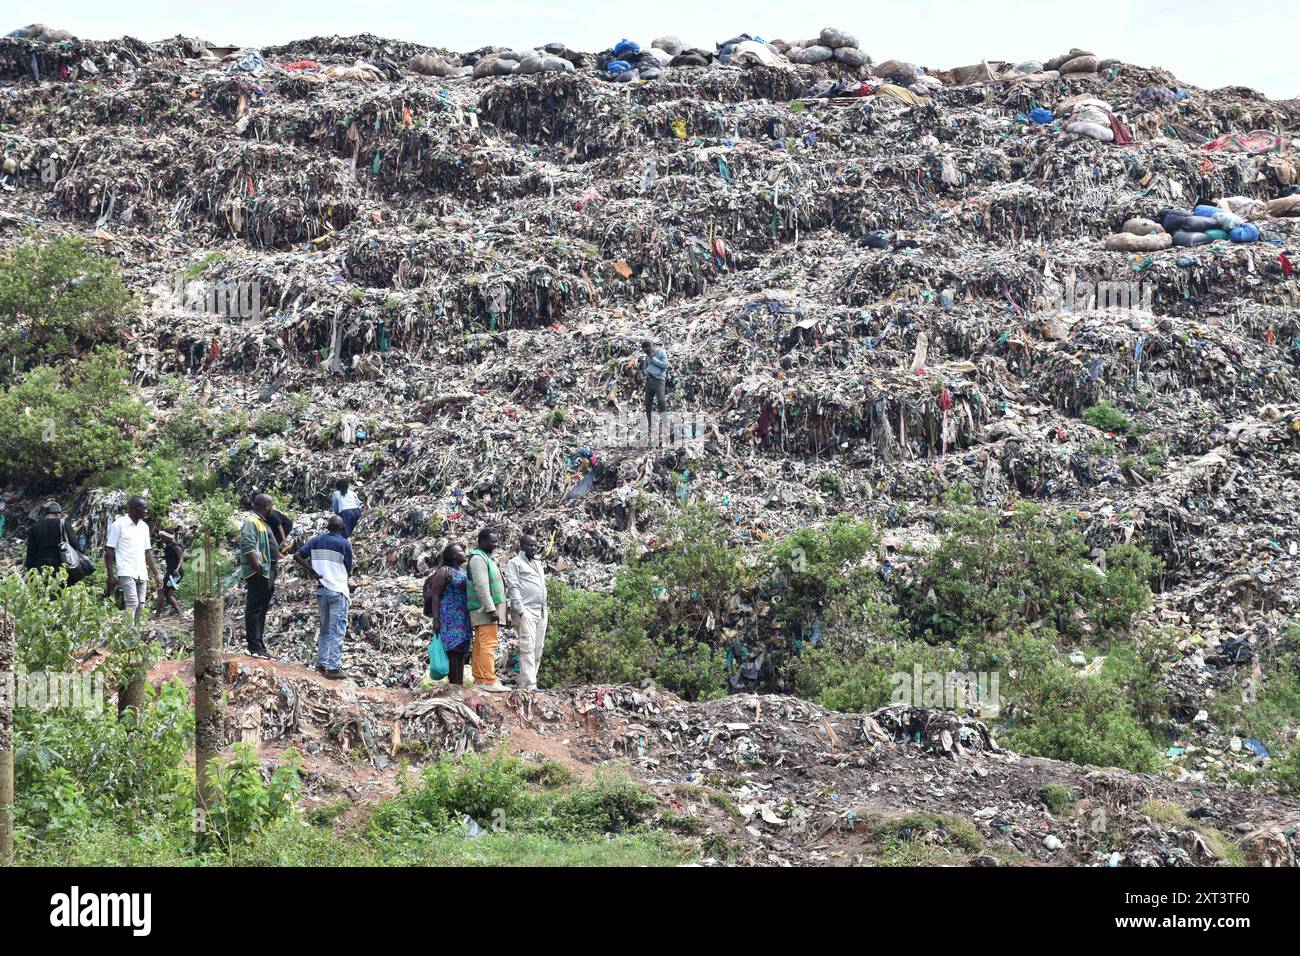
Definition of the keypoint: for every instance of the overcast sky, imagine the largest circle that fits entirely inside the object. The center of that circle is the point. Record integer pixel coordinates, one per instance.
(1207, 43)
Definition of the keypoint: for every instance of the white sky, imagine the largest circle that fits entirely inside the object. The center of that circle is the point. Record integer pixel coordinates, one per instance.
(1207, 43)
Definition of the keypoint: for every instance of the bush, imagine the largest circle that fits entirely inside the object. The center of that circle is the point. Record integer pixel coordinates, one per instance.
(828, 572)
(1054, 711)
(1107, 418)
(63, 426)
(244, 805)
(655, 625)
(990, 574)
(58, 299)
(843, 674)
(271, 423)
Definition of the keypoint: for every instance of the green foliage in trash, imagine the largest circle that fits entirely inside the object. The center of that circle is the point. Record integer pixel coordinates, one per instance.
(60, 425)
(244, 806)
(58, 299)
(659, 622)
(1106, 417)
(77, 762)
(994, 572)
(271, 422)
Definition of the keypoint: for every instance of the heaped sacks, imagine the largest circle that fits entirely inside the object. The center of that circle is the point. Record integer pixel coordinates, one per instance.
(811, 54)
(1142, 227)
(1095, 130)
(1080, 64)
(1184, 238)
(835, 39)
(1128, 242)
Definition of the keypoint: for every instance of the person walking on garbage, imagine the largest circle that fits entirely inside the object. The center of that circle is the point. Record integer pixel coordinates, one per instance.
(257, 572)
(328, 558)
(128, 553)
(45, 539)
(485, 596)
(173, 565)
(346, 505)
(654, 363)
(446, 603)
(526, 596)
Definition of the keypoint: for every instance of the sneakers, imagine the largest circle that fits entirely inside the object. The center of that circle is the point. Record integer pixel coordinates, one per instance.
(336, 673)
(321, 669)
(494, 688)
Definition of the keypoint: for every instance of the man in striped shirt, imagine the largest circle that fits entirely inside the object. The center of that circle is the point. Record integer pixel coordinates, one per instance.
(328, 558)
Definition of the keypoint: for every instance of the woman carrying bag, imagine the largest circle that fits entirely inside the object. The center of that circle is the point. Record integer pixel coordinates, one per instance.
(445, 603)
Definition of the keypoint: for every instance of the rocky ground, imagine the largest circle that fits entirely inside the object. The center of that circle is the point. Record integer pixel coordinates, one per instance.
(767, 779)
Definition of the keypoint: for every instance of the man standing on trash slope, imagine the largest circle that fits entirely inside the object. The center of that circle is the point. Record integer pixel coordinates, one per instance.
(328, 558)
(128, 554)
(257, 572)
(346, 504)
(654, 362)
(486, 599)
(526, 595)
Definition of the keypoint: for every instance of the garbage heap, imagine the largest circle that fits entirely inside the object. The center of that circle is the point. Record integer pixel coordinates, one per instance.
(860, 267)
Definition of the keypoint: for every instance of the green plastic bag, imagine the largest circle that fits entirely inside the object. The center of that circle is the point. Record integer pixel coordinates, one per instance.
(438, 663)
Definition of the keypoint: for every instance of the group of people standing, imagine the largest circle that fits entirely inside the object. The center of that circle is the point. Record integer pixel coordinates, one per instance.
(264, 537)
(469, 605)
(469, 598)
(129, 561)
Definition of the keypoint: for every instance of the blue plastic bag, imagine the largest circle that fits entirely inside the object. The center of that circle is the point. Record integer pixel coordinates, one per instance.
(625, 47)
(439, 665)
(1246, 232)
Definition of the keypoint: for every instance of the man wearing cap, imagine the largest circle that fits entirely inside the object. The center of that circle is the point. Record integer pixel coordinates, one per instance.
(45, 539)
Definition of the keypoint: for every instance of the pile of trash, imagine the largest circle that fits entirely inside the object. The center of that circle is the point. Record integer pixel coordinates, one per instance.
(875, 281)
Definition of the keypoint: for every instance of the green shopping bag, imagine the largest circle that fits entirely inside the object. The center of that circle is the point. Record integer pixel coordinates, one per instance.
(438, 663)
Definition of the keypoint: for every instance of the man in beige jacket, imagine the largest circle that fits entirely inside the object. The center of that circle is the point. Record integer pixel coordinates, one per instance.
(526, 595)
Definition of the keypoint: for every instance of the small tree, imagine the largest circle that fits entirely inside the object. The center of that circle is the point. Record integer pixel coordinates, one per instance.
(61, 426)
(58, 299)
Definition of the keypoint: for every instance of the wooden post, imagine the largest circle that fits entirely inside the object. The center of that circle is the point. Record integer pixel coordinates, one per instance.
(209, 682)
(8, 687)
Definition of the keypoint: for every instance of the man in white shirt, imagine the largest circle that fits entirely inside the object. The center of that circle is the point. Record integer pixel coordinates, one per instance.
(128, 556)
(526, 597)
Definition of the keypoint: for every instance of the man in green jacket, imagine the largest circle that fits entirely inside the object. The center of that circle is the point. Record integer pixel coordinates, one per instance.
(257, 571)
(485, 595)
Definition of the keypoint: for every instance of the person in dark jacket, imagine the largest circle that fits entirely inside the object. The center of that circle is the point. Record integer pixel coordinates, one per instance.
(45, 539)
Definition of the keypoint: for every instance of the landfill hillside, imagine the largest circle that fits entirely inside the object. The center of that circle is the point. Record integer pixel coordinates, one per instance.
(881, 289)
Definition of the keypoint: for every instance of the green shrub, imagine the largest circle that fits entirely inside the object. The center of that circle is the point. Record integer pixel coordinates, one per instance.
(612, 805)
(61, 426)
(1107, 418)
(844, 674)
(243, 804)
(655, 624)
(57, 300)
(188, 428)
(271, 422)
(828, 572)
(991, 573)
